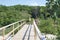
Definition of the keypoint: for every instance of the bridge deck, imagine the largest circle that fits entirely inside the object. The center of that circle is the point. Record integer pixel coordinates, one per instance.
(25, 33)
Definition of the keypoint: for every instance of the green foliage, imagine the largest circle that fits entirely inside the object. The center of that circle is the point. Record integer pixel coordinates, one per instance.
(3, 8)
(58, 37)
(10, 14)
(43, 12)
(47, 26)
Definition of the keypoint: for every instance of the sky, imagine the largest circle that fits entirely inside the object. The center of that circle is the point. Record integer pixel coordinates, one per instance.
(23, 2)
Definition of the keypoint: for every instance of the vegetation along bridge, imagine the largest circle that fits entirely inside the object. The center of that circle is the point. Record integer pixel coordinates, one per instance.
(20, 30)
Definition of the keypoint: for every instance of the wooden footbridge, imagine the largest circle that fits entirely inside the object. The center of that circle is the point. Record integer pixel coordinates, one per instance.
(20, 31)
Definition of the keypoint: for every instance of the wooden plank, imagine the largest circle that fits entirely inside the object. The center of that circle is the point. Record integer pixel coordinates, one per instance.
(32, 34)
(20, 33)
(11, 24)
(29, 35)
(37, 30)
(13, 30)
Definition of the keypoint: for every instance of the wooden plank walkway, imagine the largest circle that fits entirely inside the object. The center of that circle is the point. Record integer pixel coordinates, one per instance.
(25, 33)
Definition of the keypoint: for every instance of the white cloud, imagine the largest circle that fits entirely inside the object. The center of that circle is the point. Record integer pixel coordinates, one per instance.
(39, 2)
(34, 4)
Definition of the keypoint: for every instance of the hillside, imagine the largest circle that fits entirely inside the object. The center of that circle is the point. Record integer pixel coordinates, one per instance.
(48, 23)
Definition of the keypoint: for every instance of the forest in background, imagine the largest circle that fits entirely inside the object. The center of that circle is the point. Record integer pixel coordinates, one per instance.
(10, 14)
(49, 15)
